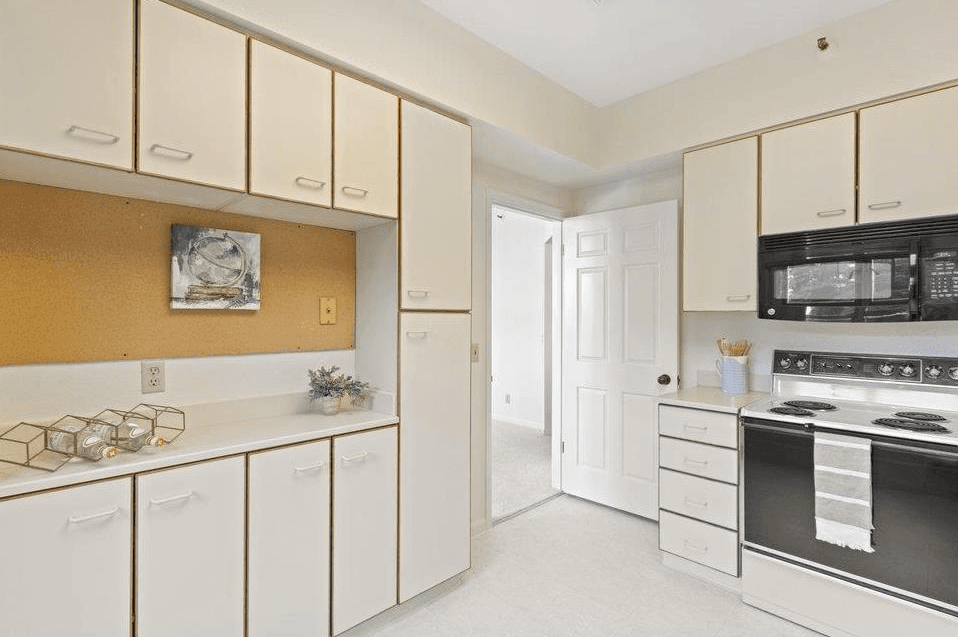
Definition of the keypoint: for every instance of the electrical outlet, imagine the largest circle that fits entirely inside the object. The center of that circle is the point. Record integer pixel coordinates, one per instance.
(508, 399)
(152, 377)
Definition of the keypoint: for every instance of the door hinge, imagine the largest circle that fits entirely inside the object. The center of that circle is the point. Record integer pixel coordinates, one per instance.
(562, 447)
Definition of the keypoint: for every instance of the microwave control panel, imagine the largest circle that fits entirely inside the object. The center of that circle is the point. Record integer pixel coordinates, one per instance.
(940, 276)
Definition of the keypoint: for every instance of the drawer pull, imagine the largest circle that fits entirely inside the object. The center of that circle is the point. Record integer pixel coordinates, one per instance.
(173, 498)
(695, 546)
(419, 293)
(172, 153)
(698, 463)
(888, 205)
(354, 192)
(697, 429)
(306, 182)
(359, 457)
(832, 213)
(93, 135)
(312, 467)
(417, 335)
(696, 503)
(738, 298)
(95, 516)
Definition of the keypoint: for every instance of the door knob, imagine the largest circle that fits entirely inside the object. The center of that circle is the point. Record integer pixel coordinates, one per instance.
(664, 379)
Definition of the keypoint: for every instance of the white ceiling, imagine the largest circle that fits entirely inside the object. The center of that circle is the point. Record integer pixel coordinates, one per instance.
(608, 50)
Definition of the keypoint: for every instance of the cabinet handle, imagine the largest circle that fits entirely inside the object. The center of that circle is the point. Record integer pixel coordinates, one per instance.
(312, 467)
(173, 498)
(695, 546)
(693, 461)
(95, 516)
(420, 293)
(739, 298)
(359, 457)
(417, 335)
(698, 428)
(354, 192)
(97, 136)
(306, 182)
(696, 503)
(888, 205)
(832, 213)
(172, 153)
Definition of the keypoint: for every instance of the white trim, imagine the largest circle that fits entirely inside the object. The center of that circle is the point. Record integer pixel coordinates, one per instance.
(530, 424)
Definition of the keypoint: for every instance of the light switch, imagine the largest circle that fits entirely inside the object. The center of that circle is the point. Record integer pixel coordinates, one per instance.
(327, 310)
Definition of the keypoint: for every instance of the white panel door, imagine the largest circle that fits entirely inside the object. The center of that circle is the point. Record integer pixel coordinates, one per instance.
(65, 562)
(620, 334)
(808, 176)
(436, 211)
(366, 148)
(434, 439)
(291, 126)
(66, 77)
(192, 98)
(190, 548)
(908, 163)
(288, 557)
(364, 525)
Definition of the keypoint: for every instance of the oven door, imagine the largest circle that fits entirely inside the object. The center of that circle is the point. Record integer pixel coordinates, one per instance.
(914, 506)
(879, 286)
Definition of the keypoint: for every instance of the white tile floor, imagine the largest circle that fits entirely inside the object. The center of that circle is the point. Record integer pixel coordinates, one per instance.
(521, 468)
(573, 568)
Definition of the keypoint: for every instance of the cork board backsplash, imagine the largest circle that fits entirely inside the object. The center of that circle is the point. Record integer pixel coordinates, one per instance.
(86, 277)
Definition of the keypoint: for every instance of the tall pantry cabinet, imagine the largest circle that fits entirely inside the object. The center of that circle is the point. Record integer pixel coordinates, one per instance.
(435, 327)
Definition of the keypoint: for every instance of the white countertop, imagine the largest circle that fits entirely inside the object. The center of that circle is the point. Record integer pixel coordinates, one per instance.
(711, 398)
(196, 443)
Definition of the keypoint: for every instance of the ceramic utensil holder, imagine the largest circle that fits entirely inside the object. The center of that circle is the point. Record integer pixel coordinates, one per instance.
(733, 374)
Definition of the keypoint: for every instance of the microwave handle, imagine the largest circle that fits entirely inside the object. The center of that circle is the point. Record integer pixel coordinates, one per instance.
(913, 284)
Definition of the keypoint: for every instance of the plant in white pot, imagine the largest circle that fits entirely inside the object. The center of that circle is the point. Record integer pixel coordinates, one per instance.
(326, 387)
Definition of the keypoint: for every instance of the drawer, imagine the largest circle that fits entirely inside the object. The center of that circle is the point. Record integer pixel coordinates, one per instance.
(700, 542)
(706, 500)
(717, 463)
(712, 427)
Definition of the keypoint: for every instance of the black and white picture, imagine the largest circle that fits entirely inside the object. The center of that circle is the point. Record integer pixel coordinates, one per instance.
(214, 269)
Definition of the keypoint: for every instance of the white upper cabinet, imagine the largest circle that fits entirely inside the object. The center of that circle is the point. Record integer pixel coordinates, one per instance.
(192, 98)
(720, 226)
(366, 142)
(808, 176)
(66, 79)
(908, 163)
(436, 211)
(291, 127)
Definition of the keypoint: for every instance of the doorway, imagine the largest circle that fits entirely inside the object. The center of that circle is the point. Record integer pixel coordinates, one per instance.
(524, 292)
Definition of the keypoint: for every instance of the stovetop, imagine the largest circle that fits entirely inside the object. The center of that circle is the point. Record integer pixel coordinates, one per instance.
(849, 392)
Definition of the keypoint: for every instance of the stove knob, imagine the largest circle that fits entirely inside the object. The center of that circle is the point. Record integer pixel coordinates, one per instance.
(953, 373)
(886, 369)
(934, 371)
(801, 363)
(785, 363)
(907, 370)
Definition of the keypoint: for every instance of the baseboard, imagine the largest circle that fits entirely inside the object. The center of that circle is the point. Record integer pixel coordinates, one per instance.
(710, 575)
(522, 423)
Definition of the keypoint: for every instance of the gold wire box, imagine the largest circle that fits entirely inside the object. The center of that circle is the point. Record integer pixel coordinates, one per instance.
(26, 445)
(168, 422)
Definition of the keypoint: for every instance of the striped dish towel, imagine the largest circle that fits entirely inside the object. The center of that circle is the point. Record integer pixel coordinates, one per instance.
(843, 491)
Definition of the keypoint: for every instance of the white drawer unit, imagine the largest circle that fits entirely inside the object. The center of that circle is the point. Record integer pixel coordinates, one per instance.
(715, 463)
(65, 562)
(705, 500)
(711, 427)
(700, 542)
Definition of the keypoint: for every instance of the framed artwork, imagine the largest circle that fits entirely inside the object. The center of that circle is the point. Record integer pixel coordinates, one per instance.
(214, 269)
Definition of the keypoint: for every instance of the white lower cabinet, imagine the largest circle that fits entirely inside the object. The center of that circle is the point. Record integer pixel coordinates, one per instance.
(190, 547)
(365, 510)
(288, 558)
(65, 562)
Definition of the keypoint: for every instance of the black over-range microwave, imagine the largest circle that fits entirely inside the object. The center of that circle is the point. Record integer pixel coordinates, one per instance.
(895, 271)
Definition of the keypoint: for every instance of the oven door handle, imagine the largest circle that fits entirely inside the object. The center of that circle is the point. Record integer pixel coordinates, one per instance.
(925, 451)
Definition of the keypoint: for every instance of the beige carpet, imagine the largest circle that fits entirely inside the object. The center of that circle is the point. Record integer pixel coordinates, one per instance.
(521, 468)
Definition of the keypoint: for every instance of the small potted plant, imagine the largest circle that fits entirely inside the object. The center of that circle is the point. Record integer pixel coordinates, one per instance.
(355, 392)
(326, 387)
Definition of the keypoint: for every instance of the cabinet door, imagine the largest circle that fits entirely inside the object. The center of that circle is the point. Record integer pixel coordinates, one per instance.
(291, 126)
(808, 176)
(437, 211)
(721, 215)
(192, 98)
(288, 557)
(366, 134)
(189, 550)
(364, 526)
(908, 161)
(65, 560)
(434, 439)
(66, 75)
